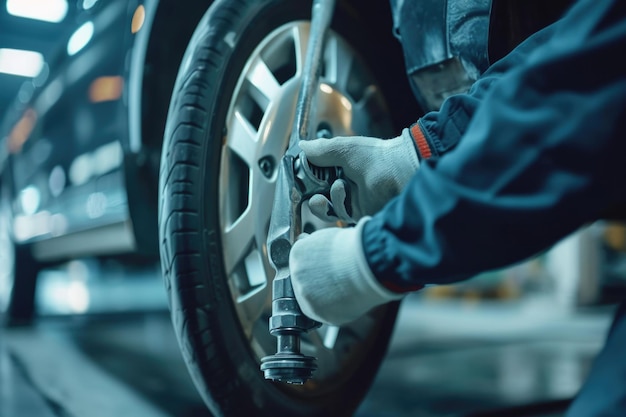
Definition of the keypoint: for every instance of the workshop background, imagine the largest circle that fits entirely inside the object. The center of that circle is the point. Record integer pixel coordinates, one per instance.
(512, 342)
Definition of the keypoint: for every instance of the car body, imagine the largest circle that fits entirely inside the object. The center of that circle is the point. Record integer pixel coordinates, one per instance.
(77, 162)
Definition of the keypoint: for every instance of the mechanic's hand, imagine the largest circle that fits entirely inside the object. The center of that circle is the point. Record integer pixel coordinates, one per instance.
(331, 278)
(376, 171)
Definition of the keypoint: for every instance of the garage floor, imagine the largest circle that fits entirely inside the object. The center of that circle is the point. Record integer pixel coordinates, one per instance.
(446, 359)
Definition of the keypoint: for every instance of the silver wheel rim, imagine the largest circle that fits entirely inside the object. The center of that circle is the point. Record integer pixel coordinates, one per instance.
(258, 126)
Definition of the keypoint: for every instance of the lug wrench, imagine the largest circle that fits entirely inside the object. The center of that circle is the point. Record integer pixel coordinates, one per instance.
(297, 180)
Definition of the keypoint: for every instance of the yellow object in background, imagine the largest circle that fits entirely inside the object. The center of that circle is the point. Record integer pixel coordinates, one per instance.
(615, 236)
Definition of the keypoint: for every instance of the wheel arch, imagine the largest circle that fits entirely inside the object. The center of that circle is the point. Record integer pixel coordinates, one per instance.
(170, 28)
(154, 62)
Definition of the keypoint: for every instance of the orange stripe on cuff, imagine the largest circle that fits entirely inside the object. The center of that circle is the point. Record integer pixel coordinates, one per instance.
(420, 141)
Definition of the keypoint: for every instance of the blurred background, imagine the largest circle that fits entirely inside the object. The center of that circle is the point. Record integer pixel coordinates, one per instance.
(512, 342)
(31, 35)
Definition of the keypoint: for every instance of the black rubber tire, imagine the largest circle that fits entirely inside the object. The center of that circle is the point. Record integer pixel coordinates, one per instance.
(22, 271)
(220, 360)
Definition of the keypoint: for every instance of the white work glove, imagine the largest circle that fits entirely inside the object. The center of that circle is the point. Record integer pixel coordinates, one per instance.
(376, 171)
(331, 278)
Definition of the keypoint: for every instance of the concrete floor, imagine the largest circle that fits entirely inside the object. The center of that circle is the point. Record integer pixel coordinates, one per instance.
(446, 359)
(511, 359)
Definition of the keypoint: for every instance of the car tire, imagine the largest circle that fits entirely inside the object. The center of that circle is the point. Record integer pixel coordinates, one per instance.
(207, 195)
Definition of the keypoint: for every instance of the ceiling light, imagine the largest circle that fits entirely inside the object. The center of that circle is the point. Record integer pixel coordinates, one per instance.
(80, 38)
(88, 4)
(20, 62)
(47, 10)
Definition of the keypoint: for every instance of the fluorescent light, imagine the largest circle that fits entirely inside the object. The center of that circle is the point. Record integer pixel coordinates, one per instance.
(47, 10)
(88, 4)
(20, 62)
(80, 38)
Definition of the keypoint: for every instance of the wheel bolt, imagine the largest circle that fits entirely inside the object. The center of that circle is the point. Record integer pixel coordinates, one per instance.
(266, 164)
(324, 133)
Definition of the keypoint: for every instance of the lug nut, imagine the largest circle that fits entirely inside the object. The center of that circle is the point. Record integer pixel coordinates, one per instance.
(266, 164)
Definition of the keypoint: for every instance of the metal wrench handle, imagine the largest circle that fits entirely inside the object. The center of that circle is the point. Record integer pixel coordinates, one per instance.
(322, 13)
(287, 322)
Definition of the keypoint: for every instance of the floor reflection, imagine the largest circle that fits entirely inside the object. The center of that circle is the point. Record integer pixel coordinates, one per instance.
(90, 286)
(450, 360)
(445, 359)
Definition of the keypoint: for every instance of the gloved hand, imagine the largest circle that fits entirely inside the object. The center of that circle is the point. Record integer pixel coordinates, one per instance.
(331, 278)
(376, 171)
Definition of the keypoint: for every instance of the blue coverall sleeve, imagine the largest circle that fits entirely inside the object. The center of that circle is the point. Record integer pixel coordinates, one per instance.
(544, 154)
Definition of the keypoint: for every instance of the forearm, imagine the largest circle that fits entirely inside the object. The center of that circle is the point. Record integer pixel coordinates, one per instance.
(542, 156)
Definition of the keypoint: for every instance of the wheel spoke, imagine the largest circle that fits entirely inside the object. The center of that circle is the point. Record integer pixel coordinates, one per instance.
(253, 302)
(264, 83)
(238, 239)
(315, 339)
(242, 139)
(327, 358)
(263, 197)
(338, 64)
(371, 102)
(325, 337)
(330, 338)
(300, 40)
(368, 111)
